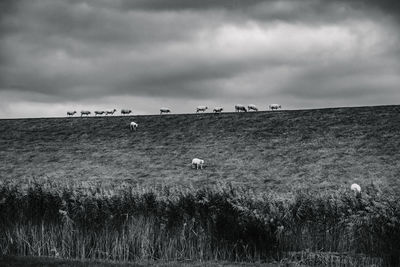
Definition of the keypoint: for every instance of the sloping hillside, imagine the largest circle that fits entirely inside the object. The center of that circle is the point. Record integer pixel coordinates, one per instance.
(282, 150)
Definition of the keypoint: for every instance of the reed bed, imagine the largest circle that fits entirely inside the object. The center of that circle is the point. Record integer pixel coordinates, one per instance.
(124, 222)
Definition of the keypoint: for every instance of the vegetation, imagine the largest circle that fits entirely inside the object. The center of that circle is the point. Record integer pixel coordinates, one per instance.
(127, 223)
(280, 151)
(275, 187)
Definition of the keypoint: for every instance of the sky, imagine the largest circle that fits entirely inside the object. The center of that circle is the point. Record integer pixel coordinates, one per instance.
(64, 55)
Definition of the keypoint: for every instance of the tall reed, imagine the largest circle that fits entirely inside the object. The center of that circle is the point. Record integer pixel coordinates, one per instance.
(125, 222)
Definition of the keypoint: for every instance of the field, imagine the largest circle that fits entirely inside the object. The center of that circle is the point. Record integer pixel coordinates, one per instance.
(275, 187)
(281, 151)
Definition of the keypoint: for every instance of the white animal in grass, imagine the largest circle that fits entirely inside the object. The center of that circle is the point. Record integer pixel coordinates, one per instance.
(275, 106)
(71, 113)
(240, 107)
(99, 112)
(164, 110)
(252, 107)
(85, 112)
(110, 112)
(198, 163)
(355, 188)
(218, 109)
(201, 108)
(133, 126)
(125, 111)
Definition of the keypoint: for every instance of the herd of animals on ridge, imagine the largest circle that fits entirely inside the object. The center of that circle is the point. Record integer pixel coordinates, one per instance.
(196, 162)
(238, 108)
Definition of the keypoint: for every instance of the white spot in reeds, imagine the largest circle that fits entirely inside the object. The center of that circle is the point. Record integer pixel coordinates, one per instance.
(54, 252)
(63, 212)
(355, 188)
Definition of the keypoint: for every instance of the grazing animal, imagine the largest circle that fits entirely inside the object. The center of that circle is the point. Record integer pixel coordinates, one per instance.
(110, 112)
(125, 111)
(252, 107)
(164, 110)
(133, 126)
(218, 109)
(239, 107)
(71, 113)
(201, 108)
(274, 106)
(99, 112)
(85, 112)
(198, 163)
(356, 188)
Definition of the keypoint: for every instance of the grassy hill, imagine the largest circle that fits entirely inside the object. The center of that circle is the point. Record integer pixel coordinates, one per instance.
(282, 150)
(277, 152)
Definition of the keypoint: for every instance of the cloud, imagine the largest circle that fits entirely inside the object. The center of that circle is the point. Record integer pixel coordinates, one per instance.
(269, 9)
(61, 52)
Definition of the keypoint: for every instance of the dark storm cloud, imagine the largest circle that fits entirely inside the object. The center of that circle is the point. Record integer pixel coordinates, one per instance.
(344, 80)
(8, 7)
(391, 7)
(388, 6)
(174, 5)
(75, 50)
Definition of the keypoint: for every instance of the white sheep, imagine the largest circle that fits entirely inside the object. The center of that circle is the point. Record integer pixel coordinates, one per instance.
(110, 112)
(355, 188)
(71, 113)
(164, 110)
(133, 126)
(201, 108)
(240, 107)
(197, 163)
(218, 109)
(252, 107)
(125, 111)
(85, 112)
(274, 106)
(99, 112)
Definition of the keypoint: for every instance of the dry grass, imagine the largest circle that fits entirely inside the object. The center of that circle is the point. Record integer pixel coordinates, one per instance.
(282, 151)
(275, 183)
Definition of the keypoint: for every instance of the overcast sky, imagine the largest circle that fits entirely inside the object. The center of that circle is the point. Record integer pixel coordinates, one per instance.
(60, 55)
